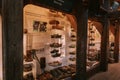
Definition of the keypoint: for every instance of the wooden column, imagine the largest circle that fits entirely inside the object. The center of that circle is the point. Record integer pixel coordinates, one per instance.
(12, 35)
(104, 44)
(82, 19)
(0, 6)
(116, 45)
(105, 37)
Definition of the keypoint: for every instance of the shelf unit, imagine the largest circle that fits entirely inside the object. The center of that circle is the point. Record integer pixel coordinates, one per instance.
(72, 47)
(93, 53)
(33, 71)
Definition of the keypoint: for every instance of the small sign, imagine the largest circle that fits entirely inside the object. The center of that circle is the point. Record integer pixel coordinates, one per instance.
(63, 5)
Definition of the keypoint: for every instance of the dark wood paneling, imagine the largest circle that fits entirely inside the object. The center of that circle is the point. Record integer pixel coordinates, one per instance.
(104, 44)
(105, 38)
(0, 6)
(81, 18)
(12, 32)
(116, 48)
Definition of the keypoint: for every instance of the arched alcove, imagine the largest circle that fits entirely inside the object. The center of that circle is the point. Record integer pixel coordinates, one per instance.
(41, 40)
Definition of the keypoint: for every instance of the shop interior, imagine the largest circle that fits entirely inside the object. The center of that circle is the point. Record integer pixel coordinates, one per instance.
(50, 44)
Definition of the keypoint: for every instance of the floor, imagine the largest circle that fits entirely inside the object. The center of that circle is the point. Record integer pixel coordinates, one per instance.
(113, 73)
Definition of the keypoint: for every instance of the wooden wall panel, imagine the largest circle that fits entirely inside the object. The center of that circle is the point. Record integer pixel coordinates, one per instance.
(0, 6)
(116, 48)
(82, 20)
(12, 32)
(104, 44)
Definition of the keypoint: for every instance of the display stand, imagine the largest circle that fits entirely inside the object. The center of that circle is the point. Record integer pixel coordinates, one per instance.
(72, 47)
(33, 71)
(93, 53)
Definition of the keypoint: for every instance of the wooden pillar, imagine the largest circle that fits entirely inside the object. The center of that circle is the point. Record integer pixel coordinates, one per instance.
(116, 45)
(104, 44)
(0, 6)
(105, 37)
(12, 35)
(82, 19)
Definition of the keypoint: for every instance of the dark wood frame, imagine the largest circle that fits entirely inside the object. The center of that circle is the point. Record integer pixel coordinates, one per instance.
(12, 39)
(12, 35)
(81, 15)
(117, 36)
(0, 6)
(104, 43)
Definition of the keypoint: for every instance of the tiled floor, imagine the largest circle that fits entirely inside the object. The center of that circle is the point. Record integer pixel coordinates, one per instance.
(113, 73)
